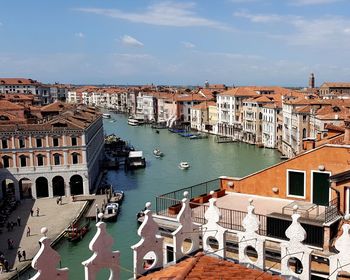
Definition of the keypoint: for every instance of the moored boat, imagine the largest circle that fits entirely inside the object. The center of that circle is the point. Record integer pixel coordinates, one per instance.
(184, 165)
(135, 160)
(106, 116)
(74, 233)
(133, 122)
(111, 212)
(117, 197)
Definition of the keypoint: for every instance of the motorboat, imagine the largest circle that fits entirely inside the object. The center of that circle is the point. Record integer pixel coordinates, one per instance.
(198, 136)
(117, 197)
(133, 122)
(158, 153)
(135, 160)
(106, 116)
(184, 165)
(111, 212)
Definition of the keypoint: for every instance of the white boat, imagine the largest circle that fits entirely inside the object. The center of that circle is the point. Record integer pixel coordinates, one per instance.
(184, 165)
(106, 116)
(158, 153)
(133, 122)
(111, 212)
(135, 160)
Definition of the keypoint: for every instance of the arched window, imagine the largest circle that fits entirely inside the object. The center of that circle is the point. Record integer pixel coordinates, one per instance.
(57, 159)
(23, 160)
(40, 160)
(75, 158)
(5, 161)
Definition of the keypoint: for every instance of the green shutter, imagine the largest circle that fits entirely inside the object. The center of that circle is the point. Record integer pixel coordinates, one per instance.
(296, 183)
(320, 188)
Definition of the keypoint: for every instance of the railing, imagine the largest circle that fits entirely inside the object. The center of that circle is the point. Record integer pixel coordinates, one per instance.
(331, 211)
(230, 219)
(194, 191)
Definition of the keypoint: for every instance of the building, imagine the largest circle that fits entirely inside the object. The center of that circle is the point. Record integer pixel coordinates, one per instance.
(201, 117)
(271, 128)
(335, 90)
(57, 155)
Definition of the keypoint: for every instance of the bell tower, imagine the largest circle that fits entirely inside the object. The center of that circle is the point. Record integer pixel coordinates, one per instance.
(312, 81)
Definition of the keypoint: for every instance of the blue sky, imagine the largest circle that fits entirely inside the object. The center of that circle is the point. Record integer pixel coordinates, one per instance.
(240, 42)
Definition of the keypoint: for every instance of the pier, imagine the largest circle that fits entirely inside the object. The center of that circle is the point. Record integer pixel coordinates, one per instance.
(95, 201)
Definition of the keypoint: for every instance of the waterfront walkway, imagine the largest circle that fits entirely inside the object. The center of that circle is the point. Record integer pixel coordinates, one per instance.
(51, 215)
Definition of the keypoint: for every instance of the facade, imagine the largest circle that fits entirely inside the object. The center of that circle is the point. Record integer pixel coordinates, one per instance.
(57, 156)
(335, 90)
(270, 126)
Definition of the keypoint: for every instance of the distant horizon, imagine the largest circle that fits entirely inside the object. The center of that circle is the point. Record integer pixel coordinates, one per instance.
(269, 42)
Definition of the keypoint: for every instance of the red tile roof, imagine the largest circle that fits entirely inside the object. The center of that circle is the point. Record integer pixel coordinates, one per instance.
(208, 267)
(18, 81)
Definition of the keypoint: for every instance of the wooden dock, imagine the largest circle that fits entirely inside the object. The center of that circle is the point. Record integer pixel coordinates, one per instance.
(99, 200)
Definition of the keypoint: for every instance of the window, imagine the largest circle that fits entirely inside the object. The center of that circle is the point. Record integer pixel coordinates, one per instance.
(74, 141)
(56, 158)
(23, 161)
(75, 159)
(39, 142)
(40, 160)
(4, 143)
(55, 142)
(22, 143)
(296, 183)
(5, 161)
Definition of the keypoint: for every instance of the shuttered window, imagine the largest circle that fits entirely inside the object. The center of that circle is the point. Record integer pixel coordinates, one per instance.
(296, 181)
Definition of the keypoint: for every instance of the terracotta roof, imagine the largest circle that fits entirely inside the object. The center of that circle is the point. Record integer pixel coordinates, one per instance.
(204, 105)
(207, 267)
(7, 105)
(304, 109)
(56, 107)
(336, 84)
(18, 81)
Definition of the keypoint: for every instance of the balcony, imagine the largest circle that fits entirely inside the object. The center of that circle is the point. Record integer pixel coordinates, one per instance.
(274, 214)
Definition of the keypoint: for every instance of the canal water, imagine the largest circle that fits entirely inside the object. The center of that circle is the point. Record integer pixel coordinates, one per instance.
(208, 160)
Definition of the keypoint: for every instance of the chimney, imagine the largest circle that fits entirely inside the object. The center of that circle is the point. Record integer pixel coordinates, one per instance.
(347, 132)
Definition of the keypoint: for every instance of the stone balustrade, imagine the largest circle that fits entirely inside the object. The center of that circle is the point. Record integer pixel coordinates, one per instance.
(149, 251)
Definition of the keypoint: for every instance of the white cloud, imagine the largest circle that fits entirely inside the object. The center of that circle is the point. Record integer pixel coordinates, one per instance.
(188, 45)
(164, 14)
(80, 34)
(130, 41)
(320, 33)
(259, 18)
(311, 2)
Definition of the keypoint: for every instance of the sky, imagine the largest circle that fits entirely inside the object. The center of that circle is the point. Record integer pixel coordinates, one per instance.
(232, 42)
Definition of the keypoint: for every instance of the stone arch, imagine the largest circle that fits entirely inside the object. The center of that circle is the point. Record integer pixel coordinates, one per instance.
(76, 185)
(8, 189)
(25, 188)
(304, 132)
(42, 187)
(58, 186)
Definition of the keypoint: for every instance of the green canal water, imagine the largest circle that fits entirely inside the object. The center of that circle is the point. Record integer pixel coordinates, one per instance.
(208, 160)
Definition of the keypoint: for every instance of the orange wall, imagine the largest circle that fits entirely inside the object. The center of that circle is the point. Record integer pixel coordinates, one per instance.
(335, 159)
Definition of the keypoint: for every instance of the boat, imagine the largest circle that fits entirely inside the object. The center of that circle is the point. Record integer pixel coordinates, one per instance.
(135, 160)
(111, 212)
(174, 130)
(106, 116)
(199, 136)
(74, 233)
(133, 122)
(117, 197)
(185, 134)
(157, 153)
(184, 165)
